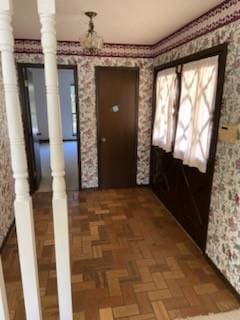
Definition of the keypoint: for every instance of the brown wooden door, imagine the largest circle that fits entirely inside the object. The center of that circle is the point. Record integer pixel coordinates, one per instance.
(184, 190)
(117, 95)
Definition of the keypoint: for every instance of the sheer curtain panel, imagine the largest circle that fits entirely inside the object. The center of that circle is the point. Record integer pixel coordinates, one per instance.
(195, 118)
(166, 93)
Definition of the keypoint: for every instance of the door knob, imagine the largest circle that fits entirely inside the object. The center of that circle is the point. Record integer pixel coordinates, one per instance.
(103, 140)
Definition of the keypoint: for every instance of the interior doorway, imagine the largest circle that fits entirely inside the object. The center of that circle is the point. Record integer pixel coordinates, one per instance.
(34, 113)
(117, 114)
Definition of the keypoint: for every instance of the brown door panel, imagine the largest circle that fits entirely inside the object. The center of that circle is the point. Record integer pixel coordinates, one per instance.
(187, 195)
(117, 126)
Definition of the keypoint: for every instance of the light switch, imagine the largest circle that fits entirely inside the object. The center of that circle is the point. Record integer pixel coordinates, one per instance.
(228, 133)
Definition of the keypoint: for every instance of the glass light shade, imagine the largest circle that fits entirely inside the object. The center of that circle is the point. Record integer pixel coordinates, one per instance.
(92, 41)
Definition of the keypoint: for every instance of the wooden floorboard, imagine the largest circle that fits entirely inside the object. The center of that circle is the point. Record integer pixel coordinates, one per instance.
(130, 261)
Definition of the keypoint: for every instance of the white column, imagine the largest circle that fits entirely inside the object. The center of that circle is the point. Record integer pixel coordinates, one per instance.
(4, 313)
(46, 9)
(23, 202)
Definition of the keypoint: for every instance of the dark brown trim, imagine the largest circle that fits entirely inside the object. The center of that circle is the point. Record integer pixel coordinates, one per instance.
(220, 51)
(22, 66)
(64, 140)
(222, 276)
(27, 125)
(136, 119)
(75, 70)
(177, 106)
(12, 226)
(41, 66)
(97, 68)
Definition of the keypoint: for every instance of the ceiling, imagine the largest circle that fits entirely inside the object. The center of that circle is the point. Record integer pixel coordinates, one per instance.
(124, 21)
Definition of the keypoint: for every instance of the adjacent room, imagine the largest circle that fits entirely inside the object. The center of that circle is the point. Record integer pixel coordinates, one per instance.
(119, 160)
(34, 110)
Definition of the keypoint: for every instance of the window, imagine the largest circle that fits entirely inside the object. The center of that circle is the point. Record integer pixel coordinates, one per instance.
(195, 118)
(73, 108)
(187, 132)
(163, 129)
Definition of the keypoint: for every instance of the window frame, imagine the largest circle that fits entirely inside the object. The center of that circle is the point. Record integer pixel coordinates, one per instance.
(220, 50)
(174, 106)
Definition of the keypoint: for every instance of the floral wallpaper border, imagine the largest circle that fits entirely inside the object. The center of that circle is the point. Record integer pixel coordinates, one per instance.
(74, 48)
(225, 13)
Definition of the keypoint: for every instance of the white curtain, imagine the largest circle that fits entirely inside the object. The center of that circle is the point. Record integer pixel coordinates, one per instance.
(166, 89)
(197, 102)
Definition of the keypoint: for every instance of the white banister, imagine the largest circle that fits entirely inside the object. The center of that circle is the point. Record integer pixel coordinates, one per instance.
(4, 313)
(46, 10)
(23, 202)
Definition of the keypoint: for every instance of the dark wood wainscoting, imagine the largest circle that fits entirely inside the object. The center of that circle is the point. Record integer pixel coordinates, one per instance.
(184, 191)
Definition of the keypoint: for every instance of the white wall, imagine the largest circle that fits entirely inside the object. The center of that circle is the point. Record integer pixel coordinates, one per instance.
(66, 78)
(41, 104)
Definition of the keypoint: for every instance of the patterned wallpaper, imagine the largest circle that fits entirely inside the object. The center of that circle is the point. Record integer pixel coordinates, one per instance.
(226, 12)
(87, 106)
(86, 88)
(217, 26)
(6, 181)
(223, 244)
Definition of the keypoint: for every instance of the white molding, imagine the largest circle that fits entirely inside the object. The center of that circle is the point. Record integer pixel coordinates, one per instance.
(23, 202)
(46, 9)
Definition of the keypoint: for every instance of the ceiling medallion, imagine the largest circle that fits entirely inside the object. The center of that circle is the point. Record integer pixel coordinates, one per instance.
(92, 41)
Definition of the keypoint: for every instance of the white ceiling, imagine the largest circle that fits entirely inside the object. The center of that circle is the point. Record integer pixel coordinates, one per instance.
(123, 21)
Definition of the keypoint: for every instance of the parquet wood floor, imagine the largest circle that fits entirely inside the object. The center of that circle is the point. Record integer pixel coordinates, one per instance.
(130, 261)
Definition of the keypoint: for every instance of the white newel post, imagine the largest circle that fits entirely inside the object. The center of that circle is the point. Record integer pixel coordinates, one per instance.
(46, 9)
(4, 313)
(23, 202)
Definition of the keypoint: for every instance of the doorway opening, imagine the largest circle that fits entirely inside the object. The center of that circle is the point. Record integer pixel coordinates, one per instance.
(35, 122)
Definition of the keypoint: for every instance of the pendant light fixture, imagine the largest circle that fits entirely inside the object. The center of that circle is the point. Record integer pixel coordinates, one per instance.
(92, 41)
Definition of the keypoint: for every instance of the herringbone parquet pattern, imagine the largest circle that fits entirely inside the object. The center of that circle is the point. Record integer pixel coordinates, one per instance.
(130, 261)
